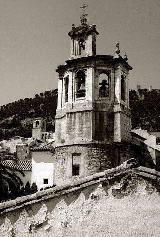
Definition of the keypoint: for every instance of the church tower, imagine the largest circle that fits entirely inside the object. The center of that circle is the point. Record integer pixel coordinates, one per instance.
(92, 116)
(39, 127)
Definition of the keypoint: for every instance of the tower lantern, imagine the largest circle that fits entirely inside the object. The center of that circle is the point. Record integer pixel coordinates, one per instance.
(83, 38)
(93, 115)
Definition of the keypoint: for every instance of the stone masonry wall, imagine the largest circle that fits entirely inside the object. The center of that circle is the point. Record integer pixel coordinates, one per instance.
(94, 158)
(125, 127)
(74, 128)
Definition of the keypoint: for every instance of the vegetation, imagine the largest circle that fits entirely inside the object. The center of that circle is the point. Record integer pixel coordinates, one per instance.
(34, 188)
(11, 185)
(10, 182)
(16, 118)
(145, 109)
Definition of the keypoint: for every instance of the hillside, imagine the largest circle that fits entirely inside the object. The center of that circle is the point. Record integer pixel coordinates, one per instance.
(16, 117)
(145, 109)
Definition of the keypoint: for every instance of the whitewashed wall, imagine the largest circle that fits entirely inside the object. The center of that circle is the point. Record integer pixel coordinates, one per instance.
(42, 168)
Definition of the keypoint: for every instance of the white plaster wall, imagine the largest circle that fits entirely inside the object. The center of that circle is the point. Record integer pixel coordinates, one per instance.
(42, 168)
(89, 213)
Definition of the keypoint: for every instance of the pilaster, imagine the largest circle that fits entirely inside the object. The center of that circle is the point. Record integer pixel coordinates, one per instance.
(117, 123)
(118, 84)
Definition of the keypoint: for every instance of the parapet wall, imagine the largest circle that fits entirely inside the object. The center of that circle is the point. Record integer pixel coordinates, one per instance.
(118, 202)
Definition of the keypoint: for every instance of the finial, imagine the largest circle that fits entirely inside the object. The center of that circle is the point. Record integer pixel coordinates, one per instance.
(125, 57)
(84, 15)
(117, 48)
(117, 51)
(73, 26)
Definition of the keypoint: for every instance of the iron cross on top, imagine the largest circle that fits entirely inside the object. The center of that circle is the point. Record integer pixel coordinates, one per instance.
(83, 7)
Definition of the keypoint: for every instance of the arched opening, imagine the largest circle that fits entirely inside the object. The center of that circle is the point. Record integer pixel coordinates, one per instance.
(81, 46)
(103, 85)
(80, 84)
(37, 123)
(123, 88)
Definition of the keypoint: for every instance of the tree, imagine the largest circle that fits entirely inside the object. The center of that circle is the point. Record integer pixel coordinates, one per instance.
(34, 188)
(27, 188)
(10, 182)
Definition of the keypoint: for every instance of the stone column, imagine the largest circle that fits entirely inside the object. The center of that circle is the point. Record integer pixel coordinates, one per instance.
(59, 106)
(72, 48)
(117, 123)
(89, 84)
(63, 92)
(118, 85)
(127, 90)
(89, 46)
(70, 87)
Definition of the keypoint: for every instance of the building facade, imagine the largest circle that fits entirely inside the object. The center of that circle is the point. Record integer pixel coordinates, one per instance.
(42, 167)
(92, 116)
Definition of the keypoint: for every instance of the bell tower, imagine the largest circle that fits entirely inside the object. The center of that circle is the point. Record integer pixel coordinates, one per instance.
(39, 126)
(83, 38)
(92, 116)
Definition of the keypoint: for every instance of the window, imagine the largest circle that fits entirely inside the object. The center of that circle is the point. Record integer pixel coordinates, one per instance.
(66, 88)
(76, 160)
(75, 170)
(45, 181)
(80, 84)
(123, 88)
(37, 123)
(103, 85)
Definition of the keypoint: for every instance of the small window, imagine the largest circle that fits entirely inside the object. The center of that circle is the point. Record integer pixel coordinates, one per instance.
(75, 170)
(76, 160)
(45, 181)
(37, 123)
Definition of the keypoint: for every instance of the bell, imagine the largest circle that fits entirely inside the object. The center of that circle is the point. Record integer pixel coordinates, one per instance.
(82, 87)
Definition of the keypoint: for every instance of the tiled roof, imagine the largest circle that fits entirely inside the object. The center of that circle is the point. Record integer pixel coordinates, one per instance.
(44, 147)
(25, 165)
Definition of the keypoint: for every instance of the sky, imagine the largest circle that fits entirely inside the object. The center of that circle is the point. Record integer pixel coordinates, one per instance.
(34, 40)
